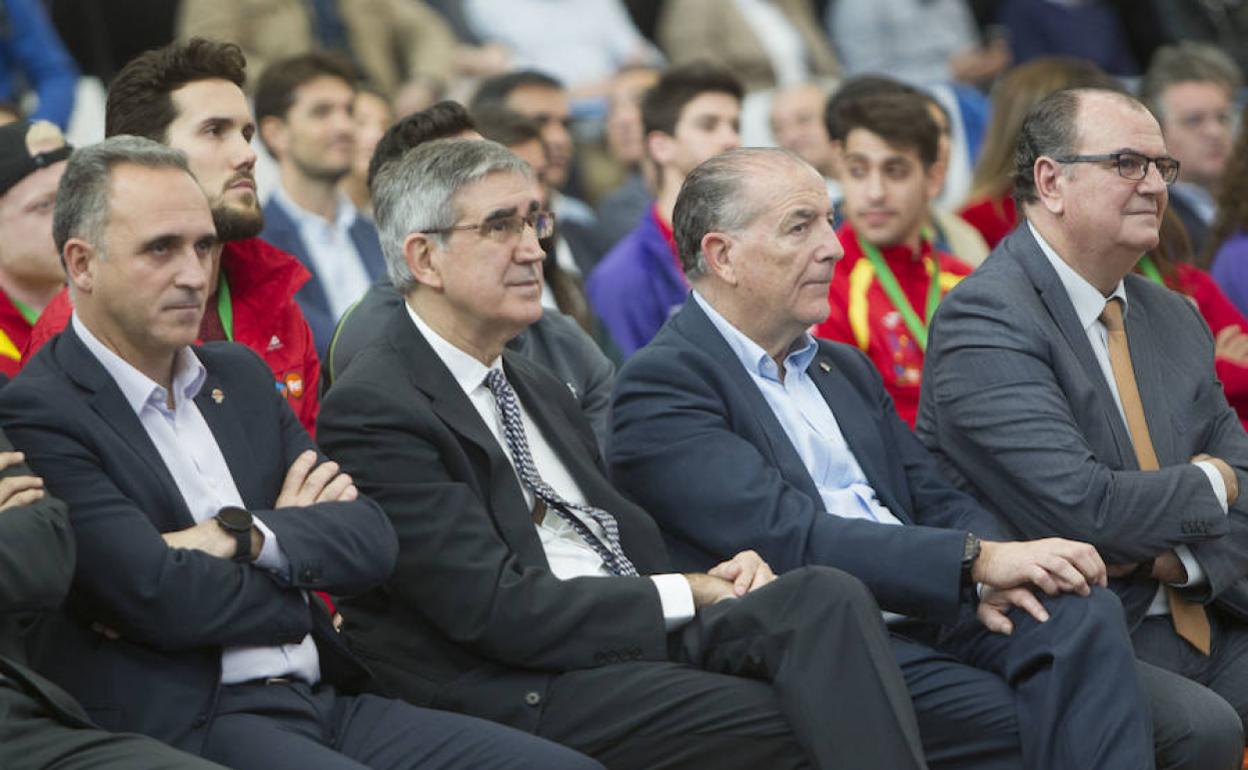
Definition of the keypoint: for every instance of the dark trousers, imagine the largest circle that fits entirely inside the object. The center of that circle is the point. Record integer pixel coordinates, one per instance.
(796, 674)
(300, 727)
(1061, 694)
(31, 738)
(1210, 696)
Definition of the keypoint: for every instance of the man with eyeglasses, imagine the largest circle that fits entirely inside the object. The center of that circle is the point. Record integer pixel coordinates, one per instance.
(1078, 399)
(528, 590)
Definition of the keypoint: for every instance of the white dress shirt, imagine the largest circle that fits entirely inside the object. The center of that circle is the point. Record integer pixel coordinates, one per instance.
(335, 260)
(194, 460)
(1089, 303)
(568, 554)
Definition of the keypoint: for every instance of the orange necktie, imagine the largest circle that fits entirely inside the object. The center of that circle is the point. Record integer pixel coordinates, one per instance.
(1189, 618)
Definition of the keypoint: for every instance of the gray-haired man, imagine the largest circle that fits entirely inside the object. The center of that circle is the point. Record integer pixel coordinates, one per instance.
(530, 591)
(202, 510)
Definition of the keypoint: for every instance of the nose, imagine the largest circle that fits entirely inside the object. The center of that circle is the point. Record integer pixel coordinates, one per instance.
(193, 269)
(1152, 182)
(833, 249)
(731, 138)
(874, 187)
(242, 156)
(528, 249)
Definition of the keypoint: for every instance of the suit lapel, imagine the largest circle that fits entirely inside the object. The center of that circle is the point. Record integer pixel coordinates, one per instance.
(1148, 368)
(280, 231)
(861, 432)
(1057, 302)
(106, 400)
(429, 375)
(231, 438)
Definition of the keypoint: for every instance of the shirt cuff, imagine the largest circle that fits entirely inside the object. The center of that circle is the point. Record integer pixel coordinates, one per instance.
(271, 556)
(1195, 575)
(677, 599)
(1215, 480)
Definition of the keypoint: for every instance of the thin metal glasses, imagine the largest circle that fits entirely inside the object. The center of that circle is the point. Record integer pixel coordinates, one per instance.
(506, 229)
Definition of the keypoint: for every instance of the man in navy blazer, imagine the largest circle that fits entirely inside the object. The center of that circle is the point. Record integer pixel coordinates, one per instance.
(203, 512)
(303, 108)
(736, 429)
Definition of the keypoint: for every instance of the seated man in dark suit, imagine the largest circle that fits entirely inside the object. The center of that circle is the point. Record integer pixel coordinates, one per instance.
(528, 590)
(1077, 398)
(40, 724)
(554, 341)
(736, 427)
(202, 512)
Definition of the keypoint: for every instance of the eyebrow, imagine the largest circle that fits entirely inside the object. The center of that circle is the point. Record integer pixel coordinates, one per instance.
(501, 213)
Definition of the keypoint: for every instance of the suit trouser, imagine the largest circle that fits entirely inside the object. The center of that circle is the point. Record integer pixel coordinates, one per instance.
(31, 738)
(796, 674)
(300, 727)
(1218, 712)
(1061, 694)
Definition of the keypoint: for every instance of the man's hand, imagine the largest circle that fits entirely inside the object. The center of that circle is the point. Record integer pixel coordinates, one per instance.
(708, 589)
(1169, 569)
(308, 483)
(18, 490)
(995, 602)
(746, 570)
(1053, 565)
(209, 536)
(1226, 472)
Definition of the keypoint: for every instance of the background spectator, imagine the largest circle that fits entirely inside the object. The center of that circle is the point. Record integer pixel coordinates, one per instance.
(372, 115)
(625, 201)
(765, 43)
(1191, 88)
(1227, 248)
(1090, 29)
(32, 54)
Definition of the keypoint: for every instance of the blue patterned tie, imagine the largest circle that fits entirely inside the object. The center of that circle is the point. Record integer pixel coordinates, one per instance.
(610, 552)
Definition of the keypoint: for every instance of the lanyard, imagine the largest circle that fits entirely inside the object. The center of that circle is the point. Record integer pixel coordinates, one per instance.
(225, 310)
(1149, 268)
(888, 281)
(29, 313)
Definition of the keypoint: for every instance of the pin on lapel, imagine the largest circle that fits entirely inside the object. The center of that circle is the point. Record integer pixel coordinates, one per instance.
(218, 395)
(824, 365)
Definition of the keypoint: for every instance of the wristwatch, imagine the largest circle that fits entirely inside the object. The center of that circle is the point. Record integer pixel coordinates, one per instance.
(970, 552)
(238, 522)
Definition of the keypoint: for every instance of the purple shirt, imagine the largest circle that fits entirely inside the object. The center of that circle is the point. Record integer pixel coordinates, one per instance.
(1230, 269)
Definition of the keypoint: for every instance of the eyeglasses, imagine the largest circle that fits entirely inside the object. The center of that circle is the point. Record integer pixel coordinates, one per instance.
(507, 229)
(1130, 165)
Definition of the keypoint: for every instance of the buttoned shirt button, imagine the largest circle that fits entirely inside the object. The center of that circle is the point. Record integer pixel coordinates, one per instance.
(532, 697)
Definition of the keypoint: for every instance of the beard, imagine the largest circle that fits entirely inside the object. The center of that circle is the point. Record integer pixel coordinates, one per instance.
(236, 224)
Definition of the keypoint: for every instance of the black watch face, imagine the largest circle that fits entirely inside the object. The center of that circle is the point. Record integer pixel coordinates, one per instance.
(236, 519)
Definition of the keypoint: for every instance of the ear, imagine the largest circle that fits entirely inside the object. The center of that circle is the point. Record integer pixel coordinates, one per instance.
(273, 135)
(936, 174)
(717, 250)
(1049, 188)
(660, 147)
(80, 263)
(419, 250)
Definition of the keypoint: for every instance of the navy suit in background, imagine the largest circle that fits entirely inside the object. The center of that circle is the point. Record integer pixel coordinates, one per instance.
(281, 231)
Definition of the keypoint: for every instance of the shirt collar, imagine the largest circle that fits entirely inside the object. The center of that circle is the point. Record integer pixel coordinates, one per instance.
(468, 372)
(137, 388)
(751, 354)
(344, 211)
(1087, 299)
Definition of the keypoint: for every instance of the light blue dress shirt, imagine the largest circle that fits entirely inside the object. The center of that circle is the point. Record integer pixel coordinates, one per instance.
(194, 460)
(808, 421)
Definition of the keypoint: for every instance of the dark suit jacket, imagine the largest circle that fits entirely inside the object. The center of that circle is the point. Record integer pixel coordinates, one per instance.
(554, 341)
(1017, 409)
(281, 231)
(36, 564)
(473, 620)
(176, 609)
(696, 444)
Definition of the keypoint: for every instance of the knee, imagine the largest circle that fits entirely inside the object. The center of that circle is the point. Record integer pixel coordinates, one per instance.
(1098, 611)
(834, 587)
(1207, 737)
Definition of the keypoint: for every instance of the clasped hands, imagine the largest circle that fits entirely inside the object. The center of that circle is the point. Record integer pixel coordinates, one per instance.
(730, 579)
(1009, 572)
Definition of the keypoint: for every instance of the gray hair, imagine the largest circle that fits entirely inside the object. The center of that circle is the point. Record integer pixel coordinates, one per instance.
(82, 198)
(1187, 62)
(714, 198)
(416, 192)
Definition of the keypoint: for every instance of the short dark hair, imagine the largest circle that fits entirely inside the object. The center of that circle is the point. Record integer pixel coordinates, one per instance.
(443, 120)
(140, 98)
(506, 127)
(1186, 62)
(871, 85)
(275, 91)
(1051, 129)
(901, 118)
(493, 92)
(662, 104)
